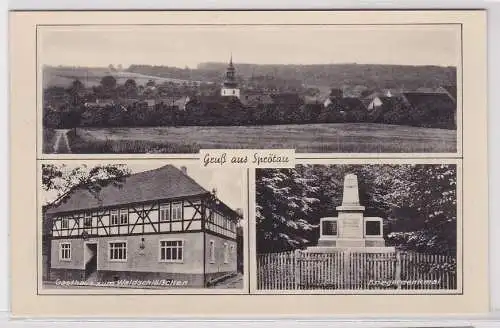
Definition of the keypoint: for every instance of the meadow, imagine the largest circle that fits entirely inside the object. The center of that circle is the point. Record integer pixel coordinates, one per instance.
(60, 77)
(304, 138)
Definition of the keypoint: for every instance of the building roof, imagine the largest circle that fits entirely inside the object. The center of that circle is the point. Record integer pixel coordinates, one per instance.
(312, 100)
(452, 90)
(366, 101)
(347, 104)
(336, 93)
(256, 99)
(213, 99)
(430, 99)
(166, 182)
(286, 98)
(389, 102)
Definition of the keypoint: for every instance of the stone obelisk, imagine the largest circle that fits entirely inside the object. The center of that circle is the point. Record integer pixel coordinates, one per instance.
(351, 229)
(350, 215)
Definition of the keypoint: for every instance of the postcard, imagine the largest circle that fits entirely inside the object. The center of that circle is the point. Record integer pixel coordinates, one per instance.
(224, 164)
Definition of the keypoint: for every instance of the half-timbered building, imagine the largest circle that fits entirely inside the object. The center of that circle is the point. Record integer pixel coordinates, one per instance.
(158, 224)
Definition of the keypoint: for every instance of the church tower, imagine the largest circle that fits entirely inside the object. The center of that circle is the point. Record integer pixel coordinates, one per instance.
(230, 86)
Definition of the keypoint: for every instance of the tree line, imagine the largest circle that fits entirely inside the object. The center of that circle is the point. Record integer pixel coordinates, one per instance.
(233, 113)
(72, 112)
(417, 202)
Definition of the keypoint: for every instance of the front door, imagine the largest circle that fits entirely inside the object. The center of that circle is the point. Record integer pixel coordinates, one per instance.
(90, 250)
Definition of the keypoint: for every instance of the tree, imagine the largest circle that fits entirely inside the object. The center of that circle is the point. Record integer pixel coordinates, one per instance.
(130, 84)
(63, 181)
(74, 91)
(51, 119)
(131, 88)
(76, 87)
(283, 206)
(429, 193)
(417, 203)
(108, 83)
(117, 116)
(395, 113)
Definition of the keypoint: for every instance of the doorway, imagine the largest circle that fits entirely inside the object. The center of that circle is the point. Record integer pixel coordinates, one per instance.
(90, 257)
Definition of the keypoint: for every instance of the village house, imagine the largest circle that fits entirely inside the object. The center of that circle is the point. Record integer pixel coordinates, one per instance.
(212, 101)
(287, 98)
(100, 103)
(157, 224)
(450, 90)
(253, 98)
(439, 107)
(332, 96)
(381, 105)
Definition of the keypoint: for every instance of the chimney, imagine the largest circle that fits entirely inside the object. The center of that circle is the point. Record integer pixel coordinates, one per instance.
(184, 170)
(240, 212)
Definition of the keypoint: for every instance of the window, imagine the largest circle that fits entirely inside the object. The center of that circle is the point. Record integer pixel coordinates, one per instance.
(372, 228)
(165, 213)
(118, 251)
(171, 250)
(114, 217)
(211, 254)
(64, 223)
(87, 220)
(176, 211)
(65, 251)
(226, 253)
(329, 228)
(124, 216)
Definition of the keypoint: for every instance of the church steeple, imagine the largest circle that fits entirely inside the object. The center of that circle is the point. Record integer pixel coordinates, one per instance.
(230, 86)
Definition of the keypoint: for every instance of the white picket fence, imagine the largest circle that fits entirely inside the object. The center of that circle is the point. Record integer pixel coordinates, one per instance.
(355, 270)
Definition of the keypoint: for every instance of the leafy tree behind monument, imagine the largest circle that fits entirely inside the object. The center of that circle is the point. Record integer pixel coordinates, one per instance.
(417, 202)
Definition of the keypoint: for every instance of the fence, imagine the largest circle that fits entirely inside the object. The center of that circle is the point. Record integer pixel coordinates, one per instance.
(351, 270)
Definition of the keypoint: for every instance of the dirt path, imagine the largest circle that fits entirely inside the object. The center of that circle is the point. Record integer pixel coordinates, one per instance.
(61, 145)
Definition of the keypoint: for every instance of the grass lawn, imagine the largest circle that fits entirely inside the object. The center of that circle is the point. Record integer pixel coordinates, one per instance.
(304, 138)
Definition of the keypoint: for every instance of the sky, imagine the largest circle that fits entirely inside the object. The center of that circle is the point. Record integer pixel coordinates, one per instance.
(183, 46)
(228, 182)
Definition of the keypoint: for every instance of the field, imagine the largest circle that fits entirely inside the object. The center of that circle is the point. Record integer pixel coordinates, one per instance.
(61, 77)
(305, 138)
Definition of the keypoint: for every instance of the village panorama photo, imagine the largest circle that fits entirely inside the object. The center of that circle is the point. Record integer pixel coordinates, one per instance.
(140, 226)
(312, 88)
(358, 228)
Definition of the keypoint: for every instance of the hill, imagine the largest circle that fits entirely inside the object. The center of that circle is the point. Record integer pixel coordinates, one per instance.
(339, 75)
(63, 76)
(324, 75)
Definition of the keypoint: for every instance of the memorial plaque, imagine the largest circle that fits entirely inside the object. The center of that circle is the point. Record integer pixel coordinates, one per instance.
(352, 225)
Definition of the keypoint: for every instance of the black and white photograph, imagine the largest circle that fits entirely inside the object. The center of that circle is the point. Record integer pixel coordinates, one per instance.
(366, 227)
(141, 226)
(312, 88)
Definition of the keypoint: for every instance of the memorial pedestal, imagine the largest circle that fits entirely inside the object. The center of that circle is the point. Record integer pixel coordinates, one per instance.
(351, 231)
